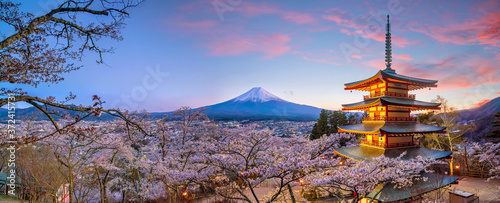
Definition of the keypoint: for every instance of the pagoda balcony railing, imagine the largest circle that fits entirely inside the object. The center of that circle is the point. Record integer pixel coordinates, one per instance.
(383, 118)
(372, 142)
(391, 145)
(392, 94)
(403, 144)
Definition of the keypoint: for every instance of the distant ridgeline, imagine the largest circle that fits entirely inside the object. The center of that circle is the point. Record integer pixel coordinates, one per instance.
(483, 117)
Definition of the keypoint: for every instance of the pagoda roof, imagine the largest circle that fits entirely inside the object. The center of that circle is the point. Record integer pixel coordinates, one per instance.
(391, 193)
(394, 101)
(366, 153)
(390, 75)
(391, 128)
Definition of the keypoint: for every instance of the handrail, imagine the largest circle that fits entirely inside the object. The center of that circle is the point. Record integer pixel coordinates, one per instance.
(392, 145)
(384, 118)
(392, 94)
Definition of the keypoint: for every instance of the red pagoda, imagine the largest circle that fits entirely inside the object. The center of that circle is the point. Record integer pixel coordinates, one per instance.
(389, 128)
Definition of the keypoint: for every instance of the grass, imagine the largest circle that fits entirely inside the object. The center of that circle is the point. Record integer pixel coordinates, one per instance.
(5, 197)
(13, 198)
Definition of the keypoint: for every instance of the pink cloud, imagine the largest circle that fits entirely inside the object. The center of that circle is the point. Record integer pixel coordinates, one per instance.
(249, 9)
(456, 72)
(342, 22)
(405, 57)
(270, 45)
(401, 41)
(483, 30)
(484, 101)
(232, 37)
(321, 61)
(298, 18)
(357, 56)
(360, 25)
(469, 94)
(377, 64)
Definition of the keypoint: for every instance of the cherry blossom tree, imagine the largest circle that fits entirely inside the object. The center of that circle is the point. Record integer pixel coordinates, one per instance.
(43, 48)
(488, 153)
(360, 178)
(248, 157)
(173, 146)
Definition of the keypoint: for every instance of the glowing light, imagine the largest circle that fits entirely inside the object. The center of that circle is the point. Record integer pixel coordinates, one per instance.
(301, 181)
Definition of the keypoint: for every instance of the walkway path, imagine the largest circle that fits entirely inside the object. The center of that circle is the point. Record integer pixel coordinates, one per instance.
(488, 192)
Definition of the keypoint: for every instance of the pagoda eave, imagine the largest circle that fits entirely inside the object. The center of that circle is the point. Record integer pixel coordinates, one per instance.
(391, 193)
(391, 128)
(412, 104)
(366, 152)
(390, 76)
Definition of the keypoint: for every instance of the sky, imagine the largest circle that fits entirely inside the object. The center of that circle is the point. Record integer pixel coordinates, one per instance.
(202, 52)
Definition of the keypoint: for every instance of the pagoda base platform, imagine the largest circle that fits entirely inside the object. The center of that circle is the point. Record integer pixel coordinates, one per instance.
(367, 152)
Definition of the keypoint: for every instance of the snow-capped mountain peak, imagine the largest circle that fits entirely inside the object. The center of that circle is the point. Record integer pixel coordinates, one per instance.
(257, 94)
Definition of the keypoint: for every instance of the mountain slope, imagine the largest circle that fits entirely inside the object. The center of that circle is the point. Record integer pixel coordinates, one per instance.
(486, 109)
(482, 117)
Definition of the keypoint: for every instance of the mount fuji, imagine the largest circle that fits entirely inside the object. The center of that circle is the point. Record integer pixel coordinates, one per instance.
(259, 104)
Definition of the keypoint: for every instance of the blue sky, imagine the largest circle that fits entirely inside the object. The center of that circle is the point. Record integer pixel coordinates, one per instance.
(196, 53)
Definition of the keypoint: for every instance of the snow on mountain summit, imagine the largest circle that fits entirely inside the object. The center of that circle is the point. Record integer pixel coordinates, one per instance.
(257, 94)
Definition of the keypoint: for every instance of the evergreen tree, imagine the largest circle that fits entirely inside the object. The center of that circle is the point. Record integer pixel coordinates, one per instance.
(329, 121)
(495, 133)
(336, 119)
(314, 132)
(321, 127)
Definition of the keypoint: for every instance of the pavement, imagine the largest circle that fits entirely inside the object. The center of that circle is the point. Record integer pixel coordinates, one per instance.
(487, 191)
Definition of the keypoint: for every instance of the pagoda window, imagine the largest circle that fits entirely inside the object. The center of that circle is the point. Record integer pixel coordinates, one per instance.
(381, 139)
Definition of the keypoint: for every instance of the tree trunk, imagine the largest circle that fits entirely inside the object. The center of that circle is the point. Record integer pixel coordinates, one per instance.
(103, 193)
(70, 187)
(124, 193)
(291, 193)
(451, 166)
(466, 163)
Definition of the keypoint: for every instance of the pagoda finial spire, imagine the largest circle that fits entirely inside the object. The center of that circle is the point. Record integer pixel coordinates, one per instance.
(388, 51)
